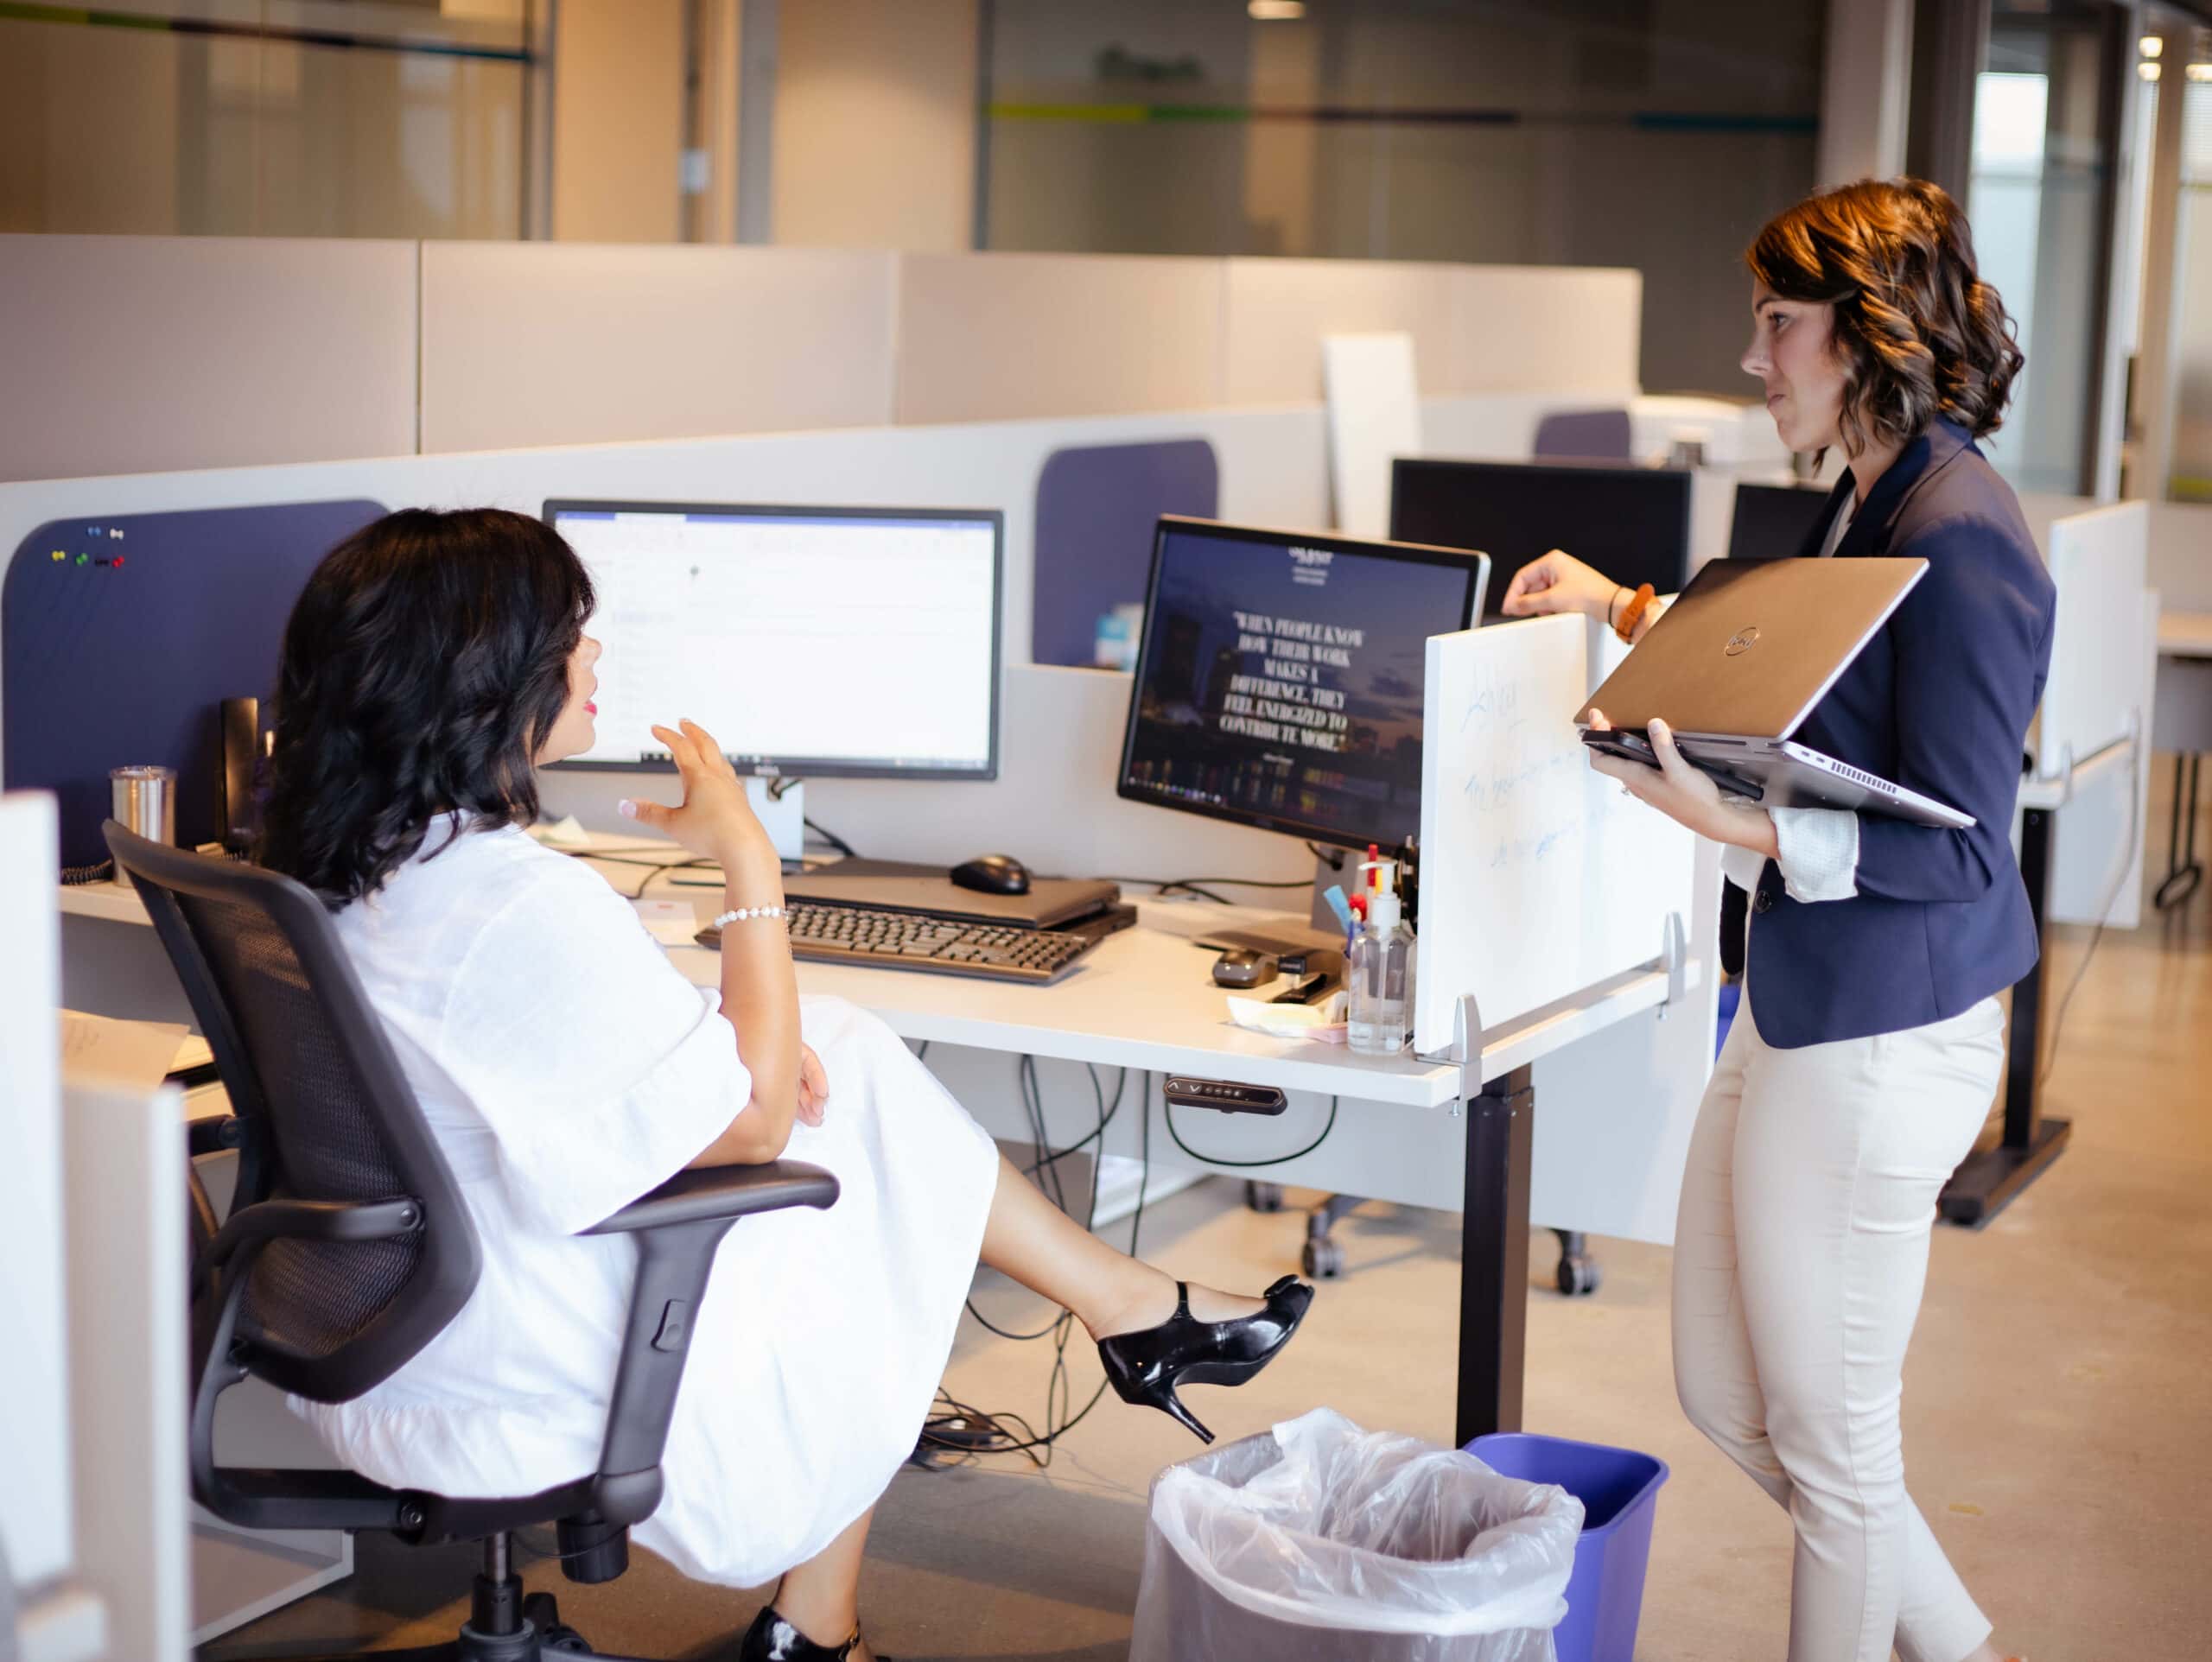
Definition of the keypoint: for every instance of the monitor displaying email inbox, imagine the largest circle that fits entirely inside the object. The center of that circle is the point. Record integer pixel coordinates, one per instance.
(823, 641)
(1279, 676)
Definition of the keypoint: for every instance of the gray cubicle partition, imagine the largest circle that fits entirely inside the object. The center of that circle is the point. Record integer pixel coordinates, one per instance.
(120, 635)
(1096, 505)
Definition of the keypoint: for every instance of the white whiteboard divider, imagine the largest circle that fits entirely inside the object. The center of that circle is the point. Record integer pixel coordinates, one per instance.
(1539, 878)
(2104, 656)
(2098, 563)
(1373, 415)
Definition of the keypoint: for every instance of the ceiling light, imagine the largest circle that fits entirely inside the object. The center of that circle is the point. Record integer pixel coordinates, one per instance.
(2148, 72)
(2151, 45)
(1275, 11)
(2199, 72)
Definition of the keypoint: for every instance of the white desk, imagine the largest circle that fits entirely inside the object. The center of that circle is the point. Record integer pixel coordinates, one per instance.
(1142, 1000)
(1451, 1135)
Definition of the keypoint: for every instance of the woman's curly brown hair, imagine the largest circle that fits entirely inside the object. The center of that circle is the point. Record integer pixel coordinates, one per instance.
(1917, 332)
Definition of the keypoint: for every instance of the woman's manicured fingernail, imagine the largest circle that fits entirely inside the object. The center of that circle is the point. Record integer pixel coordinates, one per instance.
(627, 808)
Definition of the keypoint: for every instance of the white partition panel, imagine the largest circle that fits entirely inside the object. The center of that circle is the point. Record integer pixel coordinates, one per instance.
(1540, 877)
(37, 1528)
(1273, 471)
(151, 353)
(2098, 561)
(993, 337)
(1278, 311)
(1526, 328)
(1614, 1111)
(575, 343)
(2103, 669)
(126, 1240)
(1374, 417)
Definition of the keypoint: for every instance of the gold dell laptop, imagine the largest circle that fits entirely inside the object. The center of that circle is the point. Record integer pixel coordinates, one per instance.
(1738, 663)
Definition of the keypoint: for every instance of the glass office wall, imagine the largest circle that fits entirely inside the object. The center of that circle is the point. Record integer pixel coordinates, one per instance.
(2190, 478)
(2043, 213)
(1657, 134)
(265, 117)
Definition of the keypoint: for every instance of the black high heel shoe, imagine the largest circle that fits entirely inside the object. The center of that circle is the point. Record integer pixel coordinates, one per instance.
(772, 1638)
(1146, 1367)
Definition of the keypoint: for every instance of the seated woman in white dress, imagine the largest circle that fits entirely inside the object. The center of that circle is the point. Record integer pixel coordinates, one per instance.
(566, 1067)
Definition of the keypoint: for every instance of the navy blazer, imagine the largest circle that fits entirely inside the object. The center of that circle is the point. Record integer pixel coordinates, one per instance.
(1939, 702)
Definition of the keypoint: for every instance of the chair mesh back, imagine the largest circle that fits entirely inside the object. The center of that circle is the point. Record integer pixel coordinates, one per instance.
(304, 1298)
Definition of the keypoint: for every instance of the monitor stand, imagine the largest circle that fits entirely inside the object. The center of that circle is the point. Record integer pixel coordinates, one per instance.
(782, 817)
(1322, 930)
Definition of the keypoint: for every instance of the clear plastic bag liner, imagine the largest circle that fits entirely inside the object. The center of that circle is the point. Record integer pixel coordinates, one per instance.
(1323, 1525)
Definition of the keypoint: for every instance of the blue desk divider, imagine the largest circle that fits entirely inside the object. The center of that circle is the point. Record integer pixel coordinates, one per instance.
(121, 635)
(1589, 434)
(1095, 509)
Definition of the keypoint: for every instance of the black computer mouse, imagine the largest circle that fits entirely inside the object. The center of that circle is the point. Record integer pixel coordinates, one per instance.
(992, 874)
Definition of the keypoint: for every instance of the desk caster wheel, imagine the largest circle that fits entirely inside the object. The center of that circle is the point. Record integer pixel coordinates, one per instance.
(1263, 1197)
(1324, 1260)
(1578, 1277)
(554, 1635)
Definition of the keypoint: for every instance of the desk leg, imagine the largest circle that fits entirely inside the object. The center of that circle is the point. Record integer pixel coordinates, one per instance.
(1986, 1182)
(1494, 1256)
(2183, 871)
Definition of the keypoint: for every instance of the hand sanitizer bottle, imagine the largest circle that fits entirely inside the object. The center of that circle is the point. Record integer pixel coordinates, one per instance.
(1380, 973)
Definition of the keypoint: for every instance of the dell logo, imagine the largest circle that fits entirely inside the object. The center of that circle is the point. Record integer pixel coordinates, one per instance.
(1742, 641)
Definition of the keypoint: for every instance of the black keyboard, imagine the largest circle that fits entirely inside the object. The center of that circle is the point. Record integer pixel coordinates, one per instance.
(892, 940)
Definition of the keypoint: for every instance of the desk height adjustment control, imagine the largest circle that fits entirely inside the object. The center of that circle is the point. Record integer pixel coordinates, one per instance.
(1224, 1095)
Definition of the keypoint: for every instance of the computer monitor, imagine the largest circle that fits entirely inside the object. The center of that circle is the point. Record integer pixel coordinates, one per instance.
(1280, 675)
(860, 642)
(1632, 524)
(1771, 522)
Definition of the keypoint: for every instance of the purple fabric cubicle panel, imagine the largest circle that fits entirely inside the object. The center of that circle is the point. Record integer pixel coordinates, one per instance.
(121, 634)
(1592, 434)
(1096, 507)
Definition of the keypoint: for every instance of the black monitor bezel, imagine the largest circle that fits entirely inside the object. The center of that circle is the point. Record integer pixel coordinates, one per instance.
(1683, 478)
(1411, 553)
(803, 767)
(1824, 493)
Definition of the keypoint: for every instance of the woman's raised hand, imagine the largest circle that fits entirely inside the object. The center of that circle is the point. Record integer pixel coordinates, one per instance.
(1559, 582)
(714, 821)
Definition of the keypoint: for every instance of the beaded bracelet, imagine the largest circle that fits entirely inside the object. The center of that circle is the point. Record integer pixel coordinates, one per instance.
(743, 912)
(1633, 613)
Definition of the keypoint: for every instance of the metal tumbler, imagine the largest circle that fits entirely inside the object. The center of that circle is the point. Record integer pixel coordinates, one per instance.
(145, 800)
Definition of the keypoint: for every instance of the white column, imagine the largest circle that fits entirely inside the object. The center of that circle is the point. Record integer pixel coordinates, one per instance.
(1866, 90)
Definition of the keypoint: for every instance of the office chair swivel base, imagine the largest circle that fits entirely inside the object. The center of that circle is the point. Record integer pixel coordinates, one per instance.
(504, 1625)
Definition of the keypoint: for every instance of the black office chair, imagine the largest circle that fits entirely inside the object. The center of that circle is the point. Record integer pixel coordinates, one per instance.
(347, 1249)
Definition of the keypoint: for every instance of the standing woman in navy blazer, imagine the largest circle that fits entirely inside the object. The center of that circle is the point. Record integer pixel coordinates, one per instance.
(1874, 1041)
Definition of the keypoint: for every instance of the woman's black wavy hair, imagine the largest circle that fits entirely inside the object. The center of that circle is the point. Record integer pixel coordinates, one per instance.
(422, 666)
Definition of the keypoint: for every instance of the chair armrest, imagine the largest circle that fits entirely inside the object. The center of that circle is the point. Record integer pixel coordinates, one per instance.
(727, 1192)
(678, 1229)
(214, 1136)
(266, 1221)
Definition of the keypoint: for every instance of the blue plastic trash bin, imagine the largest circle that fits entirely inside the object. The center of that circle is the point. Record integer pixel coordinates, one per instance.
(1619, 1491)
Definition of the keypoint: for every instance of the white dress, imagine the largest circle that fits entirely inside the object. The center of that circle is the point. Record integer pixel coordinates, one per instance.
(566, 1067)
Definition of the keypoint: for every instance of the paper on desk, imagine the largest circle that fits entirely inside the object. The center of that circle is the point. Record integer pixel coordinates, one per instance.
(136, 1055)
(1324, 1021)
(671, 922)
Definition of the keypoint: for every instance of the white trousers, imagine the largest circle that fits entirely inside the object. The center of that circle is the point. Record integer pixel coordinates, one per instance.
(1800, 1254)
